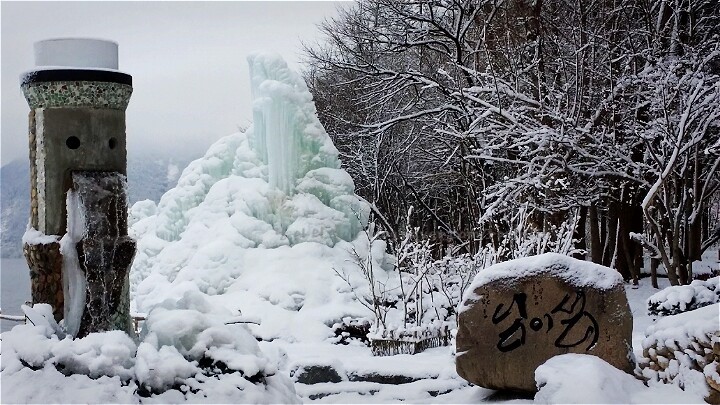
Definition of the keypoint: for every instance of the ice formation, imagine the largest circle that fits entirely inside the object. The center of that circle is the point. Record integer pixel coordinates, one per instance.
(74, 283)
(262, 222)
(286, 134)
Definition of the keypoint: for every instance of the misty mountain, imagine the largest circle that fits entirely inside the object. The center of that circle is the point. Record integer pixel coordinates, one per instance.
(150, 174)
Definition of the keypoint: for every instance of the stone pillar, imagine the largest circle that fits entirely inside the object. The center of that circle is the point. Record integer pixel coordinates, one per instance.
(77, 100)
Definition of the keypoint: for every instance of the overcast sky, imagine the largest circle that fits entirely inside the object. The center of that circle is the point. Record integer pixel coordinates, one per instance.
(187, 59)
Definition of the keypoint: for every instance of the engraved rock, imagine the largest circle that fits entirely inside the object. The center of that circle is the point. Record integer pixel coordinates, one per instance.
(518, 314)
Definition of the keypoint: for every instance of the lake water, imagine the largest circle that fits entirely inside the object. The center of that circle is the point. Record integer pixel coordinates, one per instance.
(14, 288)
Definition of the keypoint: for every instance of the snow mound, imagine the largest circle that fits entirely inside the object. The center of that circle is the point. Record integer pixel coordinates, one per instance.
(261, 223)
(682, 298)
(581, 378)
(185, 355)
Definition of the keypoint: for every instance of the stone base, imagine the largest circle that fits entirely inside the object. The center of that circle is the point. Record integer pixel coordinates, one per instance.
(45, 263)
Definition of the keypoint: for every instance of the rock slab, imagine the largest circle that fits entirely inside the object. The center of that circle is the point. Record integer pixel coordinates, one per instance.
(518, 314)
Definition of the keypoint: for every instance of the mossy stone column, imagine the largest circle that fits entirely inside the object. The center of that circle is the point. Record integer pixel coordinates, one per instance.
(77, 100)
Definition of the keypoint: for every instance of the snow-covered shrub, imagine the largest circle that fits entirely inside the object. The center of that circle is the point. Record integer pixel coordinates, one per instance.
(417, 305)
(376, 291)
(525, 238)
(677, 299)
(418, 308)
(351, 331)
(453, 276)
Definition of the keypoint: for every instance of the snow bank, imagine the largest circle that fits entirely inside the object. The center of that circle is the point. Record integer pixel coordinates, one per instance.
(581, 378)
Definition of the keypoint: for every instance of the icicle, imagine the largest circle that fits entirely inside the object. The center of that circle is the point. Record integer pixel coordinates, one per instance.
(73, 276)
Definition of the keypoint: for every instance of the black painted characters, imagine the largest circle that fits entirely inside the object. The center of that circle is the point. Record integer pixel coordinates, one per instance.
(572, 317)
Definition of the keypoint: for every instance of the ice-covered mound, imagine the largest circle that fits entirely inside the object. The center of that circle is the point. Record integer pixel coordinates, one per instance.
(262, 222)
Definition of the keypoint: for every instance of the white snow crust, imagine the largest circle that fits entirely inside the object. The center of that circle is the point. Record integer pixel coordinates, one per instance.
(434, 368)
(174, 361)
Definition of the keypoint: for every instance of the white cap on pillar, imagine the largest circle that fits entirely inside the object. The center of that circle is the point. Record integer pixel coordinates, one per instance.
(77, 53)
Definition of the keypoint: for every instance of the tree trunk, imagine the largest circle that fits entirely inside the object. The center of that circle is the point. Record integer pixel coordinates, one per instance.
(579, 234)
(654, 263)
(595, 246)
(611, 221)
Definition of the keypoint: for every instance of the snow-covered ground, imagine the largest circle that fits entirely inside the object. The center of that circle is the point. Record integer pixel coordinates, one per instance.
(244, 268)
(427, 377)
(437, 381)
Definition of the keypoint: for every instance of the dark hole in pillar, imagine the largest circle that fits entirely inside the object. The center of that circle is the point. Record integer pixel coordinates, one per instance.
(112, 143)
(72, 142)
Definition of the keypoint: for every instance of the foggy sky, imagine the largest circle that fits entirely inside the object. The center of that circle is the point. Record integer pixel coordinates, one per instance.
(187, 59)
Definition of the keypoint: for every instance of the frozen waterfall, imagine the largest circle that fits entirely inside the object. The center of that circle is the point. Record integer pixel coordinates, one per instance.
(286, 134)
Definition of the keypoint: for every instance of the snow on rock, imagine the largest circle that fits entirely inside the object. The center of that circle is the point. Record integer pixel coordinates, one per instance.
(34, 237)
(682, 298)
(575, 272)
(677, 331)
(580, 378)
(521, 313)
